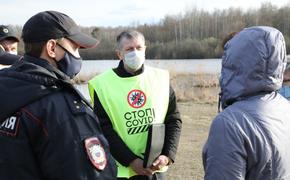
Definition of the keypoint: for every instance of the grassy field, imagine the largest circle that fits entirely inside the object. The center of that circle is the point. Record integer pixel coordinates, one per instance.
(197, 96)
(196, 118)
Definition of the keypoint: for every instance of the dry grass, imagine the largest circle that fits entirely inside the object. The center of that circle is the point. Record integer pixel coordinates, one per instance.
(83, 78)
(196, 119)
(195, 87)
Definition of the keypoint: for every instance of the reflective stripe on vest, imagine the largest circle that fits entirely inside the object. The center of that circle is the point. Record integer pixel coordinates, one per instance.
(132, 103)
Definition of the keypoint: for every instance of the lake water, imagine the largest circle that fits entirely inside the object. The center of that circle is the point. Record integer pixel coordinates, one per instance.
(210, 66)
(180, 66)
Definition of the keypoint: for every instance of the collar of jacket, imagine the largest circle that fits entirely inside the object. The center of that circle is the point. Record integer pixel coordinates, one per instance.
(56, 73)
(121, 71)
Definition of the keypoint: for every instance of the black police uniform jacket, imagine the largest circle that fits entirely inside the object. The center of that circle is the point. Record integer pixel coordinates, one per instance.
(47, 129)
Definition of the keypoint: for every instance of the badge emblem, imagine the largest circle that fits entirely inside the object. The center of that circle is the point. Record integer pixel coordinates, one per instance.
(5, 30)
(96, 153)
(136, 98)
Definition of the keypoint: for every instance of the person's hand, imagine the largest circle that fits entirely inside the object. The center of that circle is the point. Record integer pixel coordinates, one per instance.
(137, 166)
(160, 162)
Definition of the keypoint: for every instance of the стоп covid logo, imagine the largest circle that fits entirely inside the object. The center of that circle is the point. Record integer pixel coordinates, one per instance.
(139, 119)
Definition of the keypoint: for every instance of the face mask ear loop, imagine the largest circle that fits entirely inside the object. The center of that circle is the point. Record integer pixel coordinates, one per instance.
(219, 103)
(65, 50)
(57, 44)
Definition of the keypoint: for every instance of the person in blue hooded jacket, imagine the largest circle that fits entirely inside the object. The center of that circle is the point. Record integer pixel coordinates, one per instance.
(250, 138)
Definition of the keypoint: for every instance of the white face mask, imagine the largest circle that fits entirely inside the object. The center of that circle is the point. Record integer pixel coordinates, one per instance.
(13, 52)
(134, 59)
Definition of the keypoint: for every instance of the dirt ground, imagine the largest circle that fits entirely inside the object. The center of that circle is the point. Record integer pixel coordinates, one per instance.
(196, 118)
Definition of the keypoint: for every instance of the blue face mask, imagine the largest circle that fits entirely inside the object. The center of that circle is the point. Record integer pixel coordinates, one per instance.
(69, 64)
(285, 91)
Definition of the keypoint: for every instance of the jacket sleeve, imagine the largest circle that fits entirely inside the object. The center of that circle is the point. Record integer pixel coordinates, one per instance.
(119, 149)
(173, 126)
(224, 154)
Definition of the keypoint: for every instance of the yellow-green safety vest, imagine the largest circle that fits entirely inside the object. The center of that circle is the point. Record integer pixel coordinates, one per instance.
(132, 104)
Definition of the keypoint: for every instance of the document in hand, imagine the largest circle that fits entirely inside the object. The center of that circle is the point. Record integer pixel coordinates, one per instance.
(155, 141)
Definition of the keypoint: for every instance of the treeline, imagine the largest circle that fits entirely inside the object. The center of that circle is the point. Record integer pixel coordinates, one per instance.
(192, 34)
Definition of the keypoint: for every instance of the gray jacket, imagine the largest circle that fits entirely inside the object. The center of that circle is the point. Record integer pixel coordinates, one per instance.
(250, 139)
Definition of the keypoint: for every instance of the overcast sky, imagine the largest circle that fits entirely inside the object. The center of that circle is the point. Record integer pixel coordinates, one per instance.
(116, 12)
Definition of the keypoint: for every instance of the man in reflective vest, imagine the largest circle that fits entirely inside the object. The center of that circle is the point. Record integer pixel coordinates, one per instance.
(127, 100)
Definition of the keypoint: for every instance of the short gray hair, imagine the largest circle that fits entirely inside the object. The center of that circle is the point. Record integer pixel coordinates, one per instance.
(128, 34)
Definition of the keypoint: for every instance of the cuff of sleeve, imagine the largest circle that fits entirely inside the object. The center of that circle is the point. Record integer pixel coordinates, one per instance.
(170, 161)
(129, 158)
(170, 155)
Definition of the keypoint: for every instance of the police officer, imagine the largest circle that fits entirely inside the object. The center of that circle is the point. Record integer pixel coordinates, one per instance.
(130, 98)
(8, 46)
(47, 129)
(8, 39)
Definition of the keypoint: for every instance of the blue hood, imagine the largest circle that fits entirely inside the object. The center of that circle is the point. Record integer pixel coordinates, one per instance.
(253, 63)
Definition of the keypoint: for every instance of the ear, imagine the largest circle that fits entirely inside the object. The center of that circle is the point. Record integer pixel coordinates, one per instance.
(50, 48)
(119, 54)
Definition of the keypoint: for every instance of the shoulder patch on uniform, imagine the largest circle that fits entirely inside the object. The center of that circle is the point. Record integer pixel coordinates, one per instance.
(96, 152)
(10, 126)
